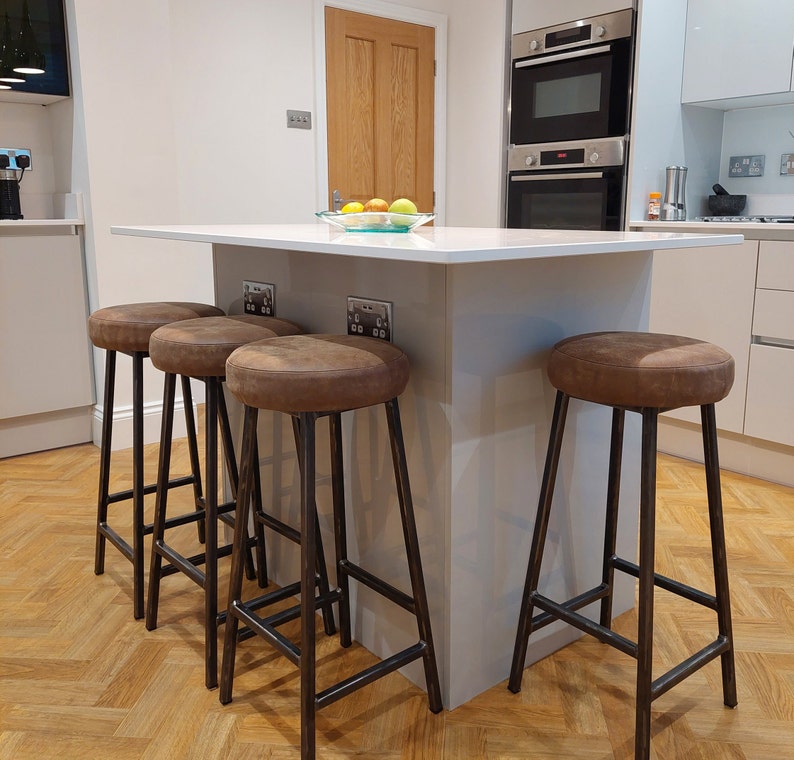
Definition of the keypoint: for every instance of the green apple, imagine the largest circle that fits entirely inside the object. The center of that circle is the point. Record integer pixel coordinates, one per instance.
(402, 206)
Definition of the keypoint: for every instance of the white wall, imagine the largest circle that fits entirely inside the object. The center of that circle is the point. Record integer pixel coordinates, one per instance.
(179, 117)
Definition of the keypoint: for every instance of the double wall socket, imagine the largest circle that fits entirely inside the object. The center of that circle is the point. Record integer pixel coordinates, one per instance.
(746, 166)
(259, 298)
(366, 316)
(12, 154)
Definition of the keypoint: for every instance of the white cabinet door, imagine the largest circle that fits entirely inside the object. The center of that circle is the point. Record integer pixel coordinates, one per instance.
(707, 293)
(46, 363)
(737, 49)
(770, 410)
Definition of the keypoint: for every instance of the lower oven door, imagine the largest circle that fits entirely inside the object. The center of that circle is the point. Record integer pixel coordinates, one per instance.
(566, 200)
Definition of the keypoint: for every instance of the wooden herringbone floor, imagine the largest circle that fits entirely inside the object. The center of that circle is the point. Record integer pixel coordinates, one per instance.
(79, 678)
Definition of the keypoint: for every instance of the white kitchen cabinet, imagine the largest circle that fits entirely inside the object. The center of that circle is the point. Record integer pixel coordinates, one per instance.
(46, 372)
(738, 49)
(770, 401)
(707, 293)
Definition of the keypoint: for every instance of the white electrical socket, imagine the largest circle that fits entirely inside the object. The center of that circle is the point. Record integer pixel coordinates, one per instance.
(366, 316)
(12, 154)
(259, 298)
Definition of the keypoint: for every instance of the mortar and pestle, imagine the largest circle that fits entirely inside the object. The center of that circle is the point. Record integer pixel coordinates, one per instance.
(722, 203)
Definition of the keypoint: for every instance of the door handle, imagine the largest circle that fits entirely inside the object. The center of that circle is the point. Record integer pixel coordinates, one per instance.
(562, 56)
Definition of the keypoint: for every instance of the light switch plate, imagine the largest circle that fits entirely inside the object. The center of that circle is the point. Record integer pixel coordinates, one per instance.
(787, 163)
(746, 166)
(299, 119)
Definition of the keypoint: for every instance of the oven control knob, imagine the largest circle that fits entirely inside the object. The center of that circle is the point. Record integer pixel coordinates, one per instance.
(529, 160)
(600, 31)
(594, 158)
(534, 45)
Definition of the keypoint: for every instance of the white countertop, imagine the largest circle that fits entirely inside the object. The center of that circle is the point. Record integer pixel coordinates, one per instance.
(11, 223)
(442, 245)
(751, 230)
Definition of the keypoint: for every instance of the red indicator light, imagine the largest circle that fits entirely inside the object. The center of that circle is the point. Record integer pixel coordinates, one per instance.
(562, 155)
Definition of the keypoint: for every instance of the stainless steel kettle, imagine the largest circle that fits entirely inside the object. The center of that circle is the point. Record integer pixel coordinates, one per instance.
(674, 199)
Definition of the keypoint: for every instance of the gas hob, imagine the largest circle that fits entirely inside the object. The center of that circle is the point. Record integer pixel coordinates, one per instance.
(747, 219)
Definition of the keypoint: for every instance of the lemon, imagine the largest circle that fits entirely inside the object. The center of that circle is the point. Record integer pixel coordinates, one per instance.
(354, 207)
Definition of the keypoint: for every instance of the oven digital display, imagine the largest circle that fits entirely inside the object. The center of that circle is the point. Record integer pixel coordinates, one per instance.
(567, 36)
(561, 157)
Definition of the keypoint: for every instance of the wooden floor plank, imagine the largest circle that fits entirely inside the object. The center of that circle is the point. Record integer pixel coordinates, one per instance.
(80, 678)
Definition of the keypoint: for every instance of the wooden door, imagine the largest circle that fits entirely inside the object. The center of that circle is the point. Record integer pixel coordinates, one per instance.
(379, 84)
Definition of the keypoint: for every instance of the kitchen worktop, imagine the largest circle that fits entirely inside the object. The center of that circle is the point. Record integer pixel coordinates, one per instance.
(437, 245)
(754, 230)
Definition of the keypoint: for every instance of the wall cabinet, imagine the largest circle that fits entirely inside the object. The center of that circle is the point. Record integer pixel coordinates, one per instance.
(46, 373)
(770, 402)
(736, 50)
(707, 293)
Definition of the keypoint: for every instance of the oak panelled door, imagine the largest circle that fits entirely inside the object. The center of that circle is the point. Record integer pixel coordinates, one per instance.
(379, 89)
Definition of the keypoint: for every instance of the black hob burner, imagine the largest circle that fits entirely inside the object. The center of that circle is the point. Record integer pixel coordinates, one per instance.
(748, 219)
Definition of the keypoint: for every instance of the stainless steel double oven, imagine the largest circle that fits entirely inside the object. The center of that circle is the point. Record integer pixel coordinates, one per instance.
(570, 106)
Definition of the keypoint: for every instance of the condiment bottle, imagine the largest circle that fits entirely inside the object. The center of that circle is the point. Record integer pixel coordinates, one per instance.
(654, 205)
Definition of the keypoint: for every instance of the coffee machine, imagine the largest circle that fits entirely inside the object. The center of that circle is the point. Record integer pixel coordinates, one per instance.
(10, 207)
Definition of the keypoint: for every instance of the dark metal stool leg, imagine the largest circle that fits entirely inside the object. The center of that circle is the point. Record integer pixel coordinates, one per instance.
(211, 545)
(308, 573)
(611, 526)
(248, 467)
(414, 557)
(137, 485)
(231, 467)
(192, 446)
(104, 461)
(340, 528)
(647, 542)
(718, 552)
(322, 567)
(538, 540)
(161, 500)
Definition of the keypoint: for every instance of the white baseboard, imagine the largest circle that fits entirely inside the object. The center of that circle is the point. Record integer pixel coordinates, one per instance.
(152, 421)
(38, 432)
(737, 453)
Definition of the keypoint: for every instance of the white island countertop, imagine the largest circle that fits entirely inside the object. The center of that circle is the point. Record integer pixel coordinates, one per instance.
(439, 245)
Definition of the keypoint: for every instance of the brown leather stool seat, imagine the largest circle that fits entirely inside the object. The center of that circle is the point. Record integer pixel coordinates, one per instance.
(313, 376)
(126, 329)
(634, 370)
(199, 348)
(646, 373)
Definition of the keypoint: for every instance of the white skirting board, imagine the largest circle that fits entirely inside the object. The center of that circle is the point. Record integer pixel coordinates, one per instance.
(38, 432)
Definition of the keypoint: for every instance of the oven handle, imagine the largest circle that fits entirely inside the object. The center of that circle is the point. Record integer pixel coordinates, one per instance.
(562, 56)
(578, 175)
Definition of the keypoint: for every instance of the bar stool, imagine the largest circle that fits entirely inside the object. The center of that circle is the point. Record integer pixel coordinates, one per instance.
(308, 377)
(126, 329)
(198, 348)
(646, 373)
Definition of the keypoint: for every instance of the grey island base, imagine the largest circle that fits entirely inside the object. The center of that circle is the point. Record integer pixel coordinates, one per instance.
(477, 311)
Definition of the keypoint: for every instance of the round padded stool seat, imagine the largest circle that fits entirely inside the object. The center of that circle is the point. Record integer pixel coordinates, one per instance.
(317, 373)
(128, 327)
(200, 347)
(635, 370)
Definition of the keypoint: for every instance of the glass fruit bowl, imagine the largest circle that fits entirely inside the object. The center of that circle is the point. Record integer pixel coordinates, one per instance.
(374, 221)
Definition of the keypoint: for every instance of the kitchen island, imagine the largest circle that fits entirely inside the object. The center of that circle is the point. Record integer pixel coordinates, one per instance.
(477, 311)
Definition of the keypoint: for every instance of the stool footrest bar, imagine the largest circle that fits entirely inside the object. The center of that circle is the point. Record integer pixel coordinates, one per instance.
(367, 676)
(114, 498)
(280, 527)
(677, 674)
(267, 631)
(605, 635)
(380, 586)
(116, 540)
(585, 598)
(669, 584)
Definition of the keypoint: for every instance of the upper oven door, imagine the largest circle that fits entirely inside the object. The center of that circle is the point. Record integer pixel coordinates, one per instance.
(571, 95)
